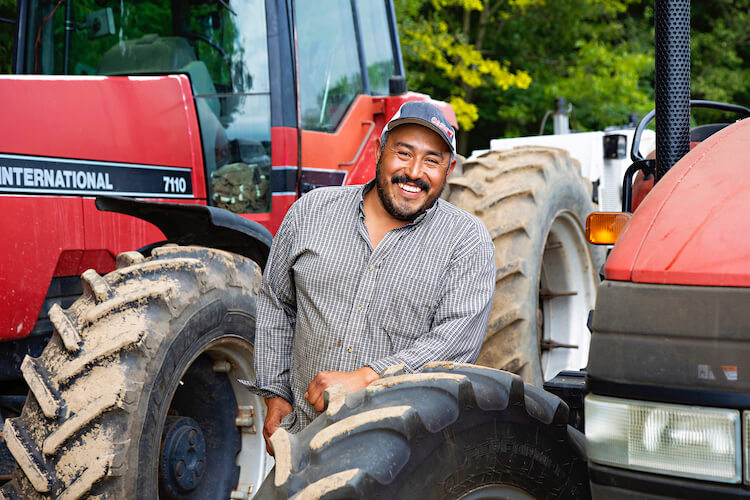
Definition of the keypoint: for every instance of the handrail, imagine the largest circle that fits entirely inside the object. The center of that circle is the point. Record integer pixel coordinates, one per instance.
(361, 146)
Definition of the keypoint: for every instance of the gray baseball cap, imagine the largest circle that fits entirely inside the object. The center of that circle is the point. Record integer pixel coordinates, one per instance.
(425, 114)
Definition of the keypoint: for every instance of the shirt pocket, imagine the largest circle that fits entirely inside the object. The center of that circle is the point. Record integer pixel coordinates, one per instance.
(409, 310)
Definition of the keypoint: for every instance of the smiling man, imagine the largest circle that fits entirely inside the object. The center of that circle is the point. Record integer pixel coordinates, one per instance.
(364, 277)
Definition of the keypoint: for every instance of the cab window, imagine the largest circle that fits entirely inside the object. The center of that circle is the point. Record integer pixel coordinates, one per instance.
(329, 68)
(376, 41)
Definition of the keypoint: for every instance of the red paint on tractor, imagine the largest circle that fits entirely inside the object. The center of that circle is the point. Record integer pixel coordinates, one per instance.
(686, 231)
(145, 120)
(139, 120)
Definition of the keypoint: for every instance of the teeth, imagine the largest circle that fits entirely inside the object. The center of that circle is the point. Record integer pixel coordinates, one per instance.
(409, 188)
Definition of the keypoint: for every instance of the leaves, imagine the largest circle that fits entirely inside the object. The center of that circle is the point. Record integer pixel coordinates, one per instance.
(501, 63)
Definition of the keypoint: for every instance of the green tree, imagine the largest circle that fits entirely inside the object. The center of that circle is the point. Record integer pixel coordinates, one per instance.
(447, 56)
(7, 30)
(720, 53)
(577, 49)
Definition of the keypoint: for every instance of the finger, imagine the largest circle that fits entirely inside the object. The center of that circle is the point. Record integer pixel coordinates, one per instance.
(318, 402)
(314, 392)
(268, 446)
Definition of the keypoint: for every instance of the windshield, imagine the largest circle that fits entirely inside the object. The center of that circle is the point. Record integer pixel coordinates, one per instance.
(220, 44)
(155, 37)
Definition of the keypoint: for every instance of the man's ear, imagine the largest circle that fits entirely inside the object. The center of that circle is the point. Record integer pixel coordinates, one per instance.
(451, 167)
(378, 149)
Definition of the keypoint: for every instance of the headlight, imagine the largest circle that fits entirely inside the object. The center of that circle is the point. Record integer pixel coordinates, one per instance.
(687, 441)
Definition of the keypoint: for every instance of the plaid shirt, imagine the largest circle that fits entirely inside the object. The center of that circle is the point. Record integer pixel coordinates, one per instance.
(329, 301)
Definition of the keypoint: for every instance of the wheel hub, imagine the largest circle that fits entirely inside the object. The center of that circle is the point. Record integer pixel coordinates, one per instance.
(183, 457)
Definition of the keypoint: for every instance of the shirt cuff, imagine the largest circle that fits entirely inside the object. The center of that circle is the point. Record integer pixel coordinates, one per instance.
(381, 364)
(268, 391)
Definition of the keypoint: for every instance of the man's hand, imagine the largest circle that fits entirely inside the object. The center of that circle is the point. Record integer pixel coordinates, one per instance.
(278, 408)
(352, 381)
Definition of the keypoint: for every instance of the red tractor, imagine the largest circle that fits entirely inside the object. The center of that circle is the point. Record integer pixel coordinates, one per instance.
(667, 411)
(153, 148)
(197, 123)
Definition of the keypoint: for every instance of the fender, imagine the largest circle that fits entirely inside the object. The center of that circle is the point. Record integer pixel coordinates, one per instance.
(197, 225)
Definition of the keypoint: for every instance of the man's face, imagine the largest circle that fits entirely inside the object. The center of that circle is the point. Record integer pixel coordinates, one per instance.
(412, 171)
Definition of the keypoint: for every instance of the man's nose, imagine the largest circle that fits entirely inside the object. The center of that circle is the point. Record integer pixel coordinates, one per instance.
(415, 168)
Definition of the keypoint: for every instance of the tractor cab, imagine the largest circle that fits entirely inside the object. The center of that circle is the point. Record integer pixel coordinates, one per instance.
(242, 58)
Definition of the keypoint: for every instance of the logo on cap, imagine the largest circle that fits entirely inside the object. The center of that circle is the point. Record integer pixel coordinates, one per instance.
(442, 127)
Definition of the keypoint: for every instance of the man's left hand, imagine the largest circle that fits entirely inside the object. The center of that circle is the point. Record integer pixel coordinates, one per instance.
(352, 381)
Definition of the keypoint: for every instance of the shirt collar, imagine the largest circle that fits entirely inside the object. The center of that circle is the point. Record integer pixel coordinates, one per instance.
(371, 185)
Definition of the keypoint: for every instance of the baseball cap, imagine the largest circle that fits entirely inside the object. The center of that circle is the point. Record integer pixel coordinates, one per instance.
(425, 114)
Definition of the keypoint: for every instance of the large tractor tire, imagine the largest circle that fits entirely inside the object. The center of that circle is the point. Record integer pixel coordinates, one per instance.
(136, 395)
(450, 432)
(534, 203)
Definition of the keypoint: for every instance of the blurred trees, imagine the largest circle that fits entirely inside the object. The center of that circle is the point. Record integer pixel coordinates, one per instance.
(582, 50)
(598, 54)
(7, 27)
(501, 63)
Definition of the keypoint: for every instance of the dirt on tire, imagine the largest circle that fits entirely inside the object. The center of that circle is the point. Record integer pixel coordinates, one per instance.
(101, 389)
(518, 193)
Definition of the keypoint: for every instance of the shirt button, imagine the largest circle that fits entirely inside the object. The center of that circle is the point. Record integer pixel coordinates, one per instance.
(350, 349)
(372, 267)
(359, 308)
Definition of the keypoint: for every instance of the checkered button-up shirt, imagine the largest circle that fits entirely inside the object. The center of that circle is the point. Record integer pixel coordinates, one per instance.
(330, 301)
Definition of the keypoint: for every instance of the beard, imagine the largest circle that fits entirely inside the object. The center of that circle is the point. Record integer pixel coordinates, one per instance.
(407, 216)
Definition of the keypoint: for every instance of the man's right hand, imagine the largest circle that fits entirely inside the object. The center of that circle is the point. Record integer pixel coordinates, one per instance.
(278, 408)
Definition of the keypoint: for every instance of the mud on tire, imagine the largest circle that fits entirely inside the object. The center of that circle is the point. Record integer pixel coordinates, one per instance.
(136, 395)
(530, 198)
(440, 434)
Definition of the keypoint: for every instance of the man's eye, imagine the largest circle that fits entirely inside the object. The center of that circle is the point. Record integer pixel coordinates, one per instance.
(403, 154)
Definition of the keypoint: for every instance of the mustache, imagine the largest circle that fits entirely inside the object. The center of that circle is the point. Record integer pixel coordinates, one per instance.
(402, 179)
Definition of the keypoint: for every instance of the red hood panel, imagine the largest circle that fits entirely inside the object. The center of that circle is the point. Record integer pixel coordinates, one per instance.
(694, 226)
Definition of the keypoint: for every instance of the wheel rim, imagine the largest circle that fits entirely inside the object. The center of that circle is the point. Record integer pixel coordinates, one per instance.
(231, 437)
(495, 492)
(567, 292)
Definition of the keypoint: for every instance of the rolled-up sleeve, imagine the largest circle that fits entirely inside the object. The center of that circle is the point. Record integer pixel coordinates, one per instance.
(461, 316)
(276, 317)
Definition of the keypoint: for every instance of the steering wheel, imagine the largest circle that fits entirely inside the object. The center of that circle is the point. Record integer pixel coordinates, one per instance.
(218, 48)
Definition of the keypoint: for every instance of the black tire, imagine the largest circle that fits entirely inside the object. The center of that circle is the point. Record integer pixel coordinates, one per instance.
(523, 196)
(445, 433)
(136, 395)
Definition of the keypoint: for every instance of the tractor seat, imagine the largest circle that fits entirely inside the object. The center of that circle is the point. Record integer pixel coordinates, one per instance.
(703, 132)
(156, 55)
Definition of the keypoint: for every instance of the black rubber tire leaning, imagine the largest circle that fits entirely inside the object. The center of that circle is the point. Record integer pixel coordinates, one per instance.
(519, 194)
(136, 394)
(449, 432)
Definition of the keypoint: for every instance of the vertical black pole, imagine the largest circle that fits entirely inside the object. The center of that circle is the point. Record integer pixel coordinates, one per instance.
(293, 10)
(69, 27)
(672, 26)
(398, 62)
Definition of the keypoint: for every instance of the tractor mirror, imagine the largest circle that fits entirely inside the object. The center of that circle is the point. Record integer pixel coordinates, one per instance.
(100, 23)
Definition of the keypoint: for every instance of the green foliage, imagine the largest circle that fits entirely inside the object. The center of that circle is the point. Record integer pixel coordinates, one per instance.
(720, 49)
(443, 49)
(511, 59)
(501, 63)
(7, 11)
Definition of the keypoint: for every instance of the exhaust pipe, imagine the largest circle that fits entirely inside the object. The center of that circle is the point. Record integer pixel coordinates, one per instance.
(672, 64)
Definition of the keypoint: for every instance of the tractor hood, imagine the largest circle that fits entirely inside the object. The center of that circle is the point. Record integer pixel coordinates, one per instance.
(694, 226)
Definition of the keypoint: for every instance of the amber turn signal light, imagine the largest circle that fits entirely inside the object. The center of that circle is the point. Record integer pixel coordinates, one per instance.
(603, 228)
